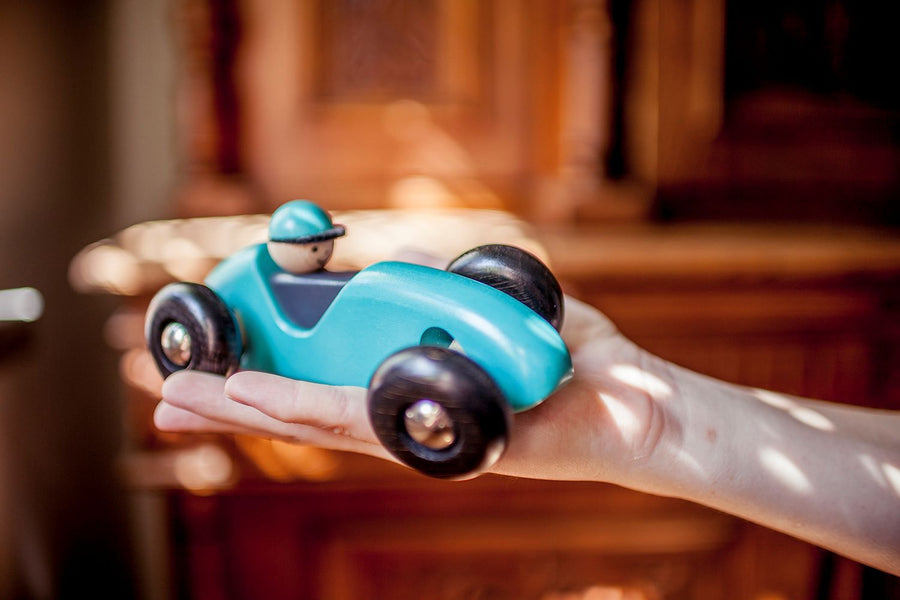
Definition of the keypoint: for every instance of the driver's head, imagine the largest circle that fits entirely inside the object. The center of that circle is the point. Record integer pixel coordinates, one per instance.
(301, 237)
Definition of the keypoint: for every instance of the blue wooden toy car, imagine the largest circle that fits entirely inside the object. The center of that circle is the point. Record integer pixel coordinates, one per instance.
(447, 355)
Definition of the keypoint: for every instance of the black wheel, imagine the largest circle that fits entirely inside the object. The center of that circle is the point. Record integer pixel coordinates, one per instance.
(517, 273)
(189, 327)
(438, 412)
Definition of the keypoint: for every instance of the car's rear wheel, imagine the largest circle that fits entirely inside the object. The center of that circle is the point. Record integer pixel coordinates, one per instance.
(517, 273)
(189, 327)
(438, 412)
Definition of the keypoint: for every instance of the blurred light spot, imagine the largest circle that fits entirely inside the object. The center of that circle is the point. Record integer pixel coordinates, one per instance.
(283, 461)
(785, 470)
(642, 380)
(185, 260)
(252, 231)
(307, 462)
(204, 467)
(180, 248)
(893, 476)
(692, 463)
(406, 119)
(124, 329)
(605, 592)
(622, 415)
(106, 267)
(872, 469)
(813, 418)
(804, 414)
(773, 399)
(21, 304)
(137, 369)
(148, 240)
(420, 192)
(771, 596)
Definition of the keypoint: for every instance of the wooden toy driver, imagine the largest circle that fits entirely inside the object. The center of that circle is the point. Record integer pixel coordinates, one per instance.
(301, 237)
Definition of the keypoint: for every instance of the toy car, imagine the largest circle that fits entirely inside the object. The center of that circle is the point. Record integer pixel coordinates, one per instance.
(447, 355)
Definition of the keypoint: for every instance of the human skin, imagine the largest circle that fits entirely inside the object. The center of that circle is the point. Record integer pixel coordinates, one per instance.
(823, 472)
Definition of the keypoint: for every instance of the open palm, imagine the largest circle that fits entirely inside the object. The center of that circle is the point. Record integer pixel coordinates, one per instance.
(609, 410)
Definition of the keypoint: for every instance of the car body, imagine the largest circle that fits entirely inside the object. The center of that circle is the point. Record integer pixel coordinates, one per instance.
(348, 324)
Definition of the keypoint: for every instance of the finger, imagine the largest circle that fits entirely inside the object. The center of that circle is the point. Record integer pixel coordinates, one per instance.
(168, 417)
(192, 389)
(203, 394)
(178, 420)
(338, 409)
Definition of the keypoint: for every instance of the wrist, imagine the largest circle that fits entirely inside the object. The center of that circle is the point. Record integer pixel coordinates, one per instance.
(681, 449)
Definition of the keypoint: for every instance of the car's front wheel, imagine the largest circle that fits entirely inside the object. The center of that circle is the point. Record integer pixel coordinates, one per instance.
(438, 412)
(189, 327)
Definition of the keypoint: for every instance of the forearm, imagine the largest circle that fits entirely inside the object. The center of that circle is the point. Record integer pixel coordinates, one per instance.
(826, 473)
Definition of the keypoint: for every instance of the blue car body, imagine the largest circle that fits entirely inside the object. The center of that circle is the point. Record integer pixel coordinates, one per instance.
(385, 308)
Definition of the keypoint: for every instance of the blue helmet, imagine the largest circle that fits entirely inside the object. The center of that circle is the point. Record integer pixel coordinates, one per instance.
(302, 222)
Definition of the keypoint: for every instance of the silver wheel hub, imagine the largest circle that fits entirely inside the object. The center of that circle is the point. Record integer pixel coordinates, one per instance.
(429, 424)
(176, 344)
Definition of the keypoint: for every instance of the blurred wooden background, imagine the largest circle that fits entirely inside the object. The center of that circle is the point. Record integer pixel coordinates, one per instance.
(555, 111)
(719, 176)
(714, 175)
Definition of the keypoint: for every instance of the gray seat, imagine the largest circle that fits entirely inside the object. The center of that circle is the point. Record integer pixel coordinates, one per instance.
(305, 298)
